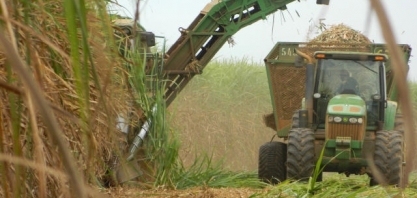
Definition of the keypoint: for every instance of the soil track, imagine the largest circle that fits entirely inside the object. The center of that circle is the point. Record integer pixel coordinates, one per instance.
(199, 192)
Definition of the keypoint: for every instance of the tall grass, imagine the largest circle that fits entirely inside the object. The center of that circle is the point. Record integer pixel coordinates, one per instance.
(337, 185)
(57, 123)
(221, 112)
(78, 87)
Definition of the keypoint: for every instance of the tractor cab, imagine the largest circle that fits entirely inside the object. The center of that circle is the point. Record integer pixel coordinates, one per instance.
(349, 89)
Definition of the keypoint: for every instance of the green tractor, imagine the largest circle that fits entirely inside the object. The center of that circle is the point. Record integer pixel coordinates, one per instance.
(348, 117)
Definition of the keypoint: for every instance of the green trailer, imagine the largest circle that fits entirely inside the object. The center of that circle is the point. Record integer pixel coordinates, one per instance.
(341, 102)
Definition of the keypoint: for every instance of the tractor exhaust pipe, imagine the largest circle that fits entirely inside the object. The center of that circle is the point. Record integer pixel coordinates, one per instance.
(309, 85)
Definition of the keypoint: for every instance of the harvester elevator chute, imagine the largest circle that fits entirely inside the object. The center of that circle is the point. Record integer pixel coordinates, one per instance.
(210, 30)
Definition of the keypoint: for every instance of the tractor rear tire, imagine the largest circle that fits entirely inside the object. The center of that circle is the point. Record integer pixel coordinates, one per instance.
(300, 154)
(271, 164)
(388, 157)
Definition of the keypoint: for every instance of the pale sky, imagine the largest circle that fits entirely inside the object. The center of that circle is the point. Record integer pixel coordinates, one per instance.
(164, 17)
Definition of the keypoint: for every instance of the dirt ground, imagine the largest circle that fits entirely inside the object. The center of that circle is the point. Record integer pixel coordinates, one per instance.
(193, 192)
(198, 192)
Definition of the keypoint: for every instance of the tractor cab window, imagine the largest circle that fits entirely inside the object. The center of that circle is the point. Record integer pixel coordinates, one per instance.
(349, 77)
(359, 77)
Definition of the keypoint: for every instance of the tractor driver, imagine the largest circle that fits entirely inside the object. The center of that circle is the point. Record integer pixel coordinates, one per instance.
(348, 84)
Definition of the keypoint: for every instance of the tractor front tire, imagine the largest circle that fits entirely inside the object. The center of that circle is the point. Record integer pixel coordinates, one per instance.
(388, 157)
(300, 154)
(271, 164)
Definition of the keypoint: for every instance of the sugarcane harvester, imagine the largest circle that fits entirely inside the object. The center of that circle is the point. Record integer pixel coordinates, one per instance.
(203, 38)
(335, 108)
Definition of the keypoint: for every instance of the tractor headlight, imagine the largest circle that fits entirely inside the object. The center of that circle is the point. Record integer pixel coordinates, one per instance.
(330, 118)
(360, 120)
(353, 120)
(337, 119)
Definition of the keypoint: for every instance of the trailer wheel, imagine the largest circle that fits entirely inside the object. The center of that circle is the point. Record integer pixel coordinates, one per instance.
(271, 164)
(388, 157)
(300, 154)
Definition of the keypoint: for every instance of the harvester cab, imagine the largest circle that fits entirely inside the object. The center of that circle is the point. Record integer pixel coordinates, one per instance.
(346, 119)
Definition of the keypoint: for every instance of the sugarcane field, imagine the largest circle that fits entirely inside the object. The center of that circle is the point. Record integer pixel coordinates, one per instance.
(102, 99)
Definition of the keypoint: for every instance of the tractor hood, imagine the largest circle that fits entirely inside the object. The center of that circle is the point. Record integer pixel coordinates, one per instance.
(347, 104)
